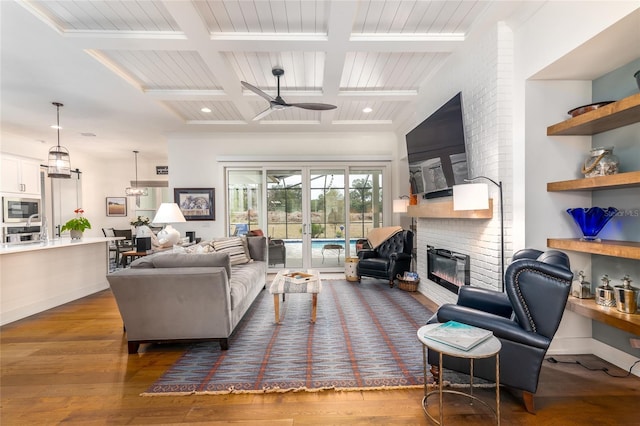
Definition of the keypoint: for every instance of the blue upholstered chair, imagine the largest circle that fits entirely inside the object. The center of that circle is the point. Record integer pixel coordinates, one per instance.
(524, 318)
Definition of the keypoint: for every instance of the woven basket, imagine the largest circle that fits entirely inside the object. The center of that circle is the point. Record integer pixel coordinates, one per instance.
(408, 285)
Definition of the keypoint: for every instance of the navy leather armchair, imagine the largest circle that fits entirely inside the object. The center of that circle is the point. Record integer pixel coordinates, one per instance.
(389, 259)
(525, 318)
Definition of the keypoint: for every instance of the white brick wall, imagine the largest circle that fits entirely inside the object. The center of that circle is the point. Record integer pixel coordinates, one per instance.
(484, 74)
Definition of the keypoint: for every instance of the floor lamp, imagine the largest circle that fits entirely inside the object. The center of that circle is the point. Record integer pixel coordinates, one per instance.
(475, 196)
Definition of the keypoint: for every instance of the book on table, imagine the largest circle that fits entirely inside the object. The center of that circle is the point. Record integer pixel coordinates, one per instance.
(458, 335)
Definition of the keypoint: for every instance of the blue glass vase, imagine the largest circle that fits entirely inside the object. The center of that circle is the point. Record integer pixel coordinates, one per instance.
(592, 220)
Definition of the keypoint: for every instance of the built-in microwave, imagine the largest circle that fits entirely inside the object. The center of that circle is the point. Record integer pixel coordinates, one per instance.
(20, 209)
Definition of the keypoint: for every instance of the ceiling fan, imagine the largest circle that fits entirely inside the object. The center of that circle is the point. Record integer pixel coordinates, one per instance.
(279, 103)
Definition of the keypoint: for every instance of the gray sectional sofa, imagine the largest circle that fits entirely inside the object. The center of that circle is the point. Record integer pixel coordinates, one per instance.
(188, 296)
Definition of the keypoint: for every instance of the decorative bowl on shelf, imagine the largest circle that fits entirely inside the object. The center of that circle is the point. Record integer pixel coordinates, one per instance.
(591, 220)
(586, 108)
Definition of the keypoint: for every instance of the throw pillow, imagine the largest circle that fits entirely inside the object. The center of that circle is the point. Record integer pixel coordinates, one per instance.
(235, 247)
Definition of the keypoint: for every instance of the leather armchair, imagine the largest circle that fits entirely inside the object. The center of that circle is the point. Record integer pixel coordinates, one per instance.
(389, 259)
(524, 319)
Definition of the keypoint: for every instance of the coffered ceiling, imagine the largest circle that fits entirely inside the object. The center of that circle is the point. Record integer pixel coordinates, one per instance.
(135, 71)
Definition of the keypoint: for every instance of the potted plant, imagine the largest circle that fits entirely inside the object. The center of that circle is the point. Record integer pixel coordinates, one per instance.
(77, 225)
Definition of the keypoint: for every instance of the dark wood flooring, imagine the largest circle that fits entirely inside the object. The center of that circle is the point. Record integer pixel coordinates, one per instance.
(70, 365)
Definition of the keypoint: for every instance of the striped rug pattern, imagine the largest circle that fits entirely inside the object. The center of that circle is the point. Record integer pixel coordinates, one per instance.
(364, 338)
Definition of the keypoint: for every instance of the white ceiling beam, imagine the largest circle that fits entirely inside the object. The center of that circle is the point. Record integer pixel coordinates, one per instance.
(340, 25)
(190, 22)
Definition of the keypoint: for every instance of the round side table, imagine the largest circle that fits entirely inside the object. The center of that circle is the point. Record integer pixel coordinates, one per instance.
(488, 348)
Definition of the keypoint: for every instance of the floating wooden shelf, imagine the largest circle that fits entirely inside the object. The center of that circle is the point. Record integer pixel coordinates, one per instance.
(620, 180)
(626, 249)
(610, 316)
(617, 114)
(444, 210)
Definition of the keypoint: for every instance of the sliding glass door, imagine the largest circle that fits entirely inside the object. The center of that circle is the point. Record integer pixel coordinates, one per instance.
(313, 215)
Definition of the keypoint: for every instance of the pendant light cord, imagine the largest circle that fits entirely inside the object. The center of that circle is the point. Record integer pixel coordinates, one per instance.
(136, 153)
(58, 105)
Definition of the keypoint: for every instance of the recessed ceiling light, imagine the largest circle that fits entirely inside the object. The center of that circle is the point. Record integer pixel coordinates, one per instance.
(88, 134)
(54, 126)
(367, 110)
(205, 109)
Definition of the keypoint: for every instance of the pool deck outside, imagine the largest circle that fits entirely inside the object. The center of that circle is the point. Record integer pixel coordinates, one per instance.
(331, 260)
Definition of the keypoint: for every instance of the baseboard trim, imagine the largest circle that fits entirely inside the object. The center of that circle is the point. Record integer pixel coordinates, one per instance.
(43, 305)
(588, 345)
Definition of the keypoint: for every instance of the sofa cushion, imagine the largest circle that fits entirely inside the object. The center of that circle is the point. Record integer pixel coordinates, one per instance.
(235, 247)
(190, 260)
(144, 262)
(243, 280)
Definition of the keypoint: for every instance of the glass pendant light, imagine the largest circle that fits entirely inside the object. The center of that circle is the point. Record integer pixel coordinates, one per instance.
(58, 162)
(135, 191)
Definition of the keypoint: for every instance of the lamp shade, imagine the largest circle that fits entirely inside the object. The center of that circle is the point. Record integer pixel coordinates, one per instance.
(400, 206)
(471, 196)
(169, 213)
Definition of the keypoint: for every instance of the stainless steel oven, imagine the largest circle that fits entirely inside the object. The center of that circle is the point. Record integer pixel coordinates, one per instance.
(20, 210)
(20, 234)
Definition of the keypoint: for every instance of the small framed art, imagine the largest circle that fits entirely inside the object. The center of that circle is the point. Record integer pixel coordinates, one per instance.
(116, 206)
(196, 203)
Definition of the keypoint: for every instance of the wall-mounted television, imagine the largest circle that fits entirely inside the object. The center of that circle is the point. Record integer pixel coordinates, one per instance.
(436, 151)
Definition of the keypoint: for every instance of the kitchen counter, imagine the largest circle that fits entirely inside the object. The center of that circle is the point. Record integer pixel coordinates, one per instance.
(53, 244)
(35, 277)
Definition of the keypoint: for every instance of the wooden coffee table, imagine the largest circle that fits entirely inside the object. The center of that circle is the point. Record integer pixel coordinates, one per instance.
(283, 285)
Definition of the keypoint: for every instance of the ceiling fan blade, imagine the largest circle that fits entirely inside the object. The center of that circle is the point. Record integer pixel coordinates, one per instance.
(263, 114)
(314, 106)
(257, 91)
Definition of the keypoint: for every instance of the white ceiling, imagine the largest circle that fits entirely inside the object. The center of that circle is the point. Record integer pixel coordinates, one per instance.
(133, 72)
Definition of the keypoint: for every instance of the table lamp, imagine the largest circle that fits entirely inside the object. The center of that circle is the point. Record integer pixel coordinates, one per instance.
(168, 213)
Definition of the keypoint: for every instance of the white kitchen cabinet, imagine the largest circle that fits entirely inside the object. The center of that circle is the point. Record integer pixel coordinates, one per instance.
(20, 176)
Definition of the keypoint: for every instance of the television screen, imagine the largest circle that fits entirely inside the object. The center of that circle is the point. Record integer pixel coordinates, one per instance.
(436, 151)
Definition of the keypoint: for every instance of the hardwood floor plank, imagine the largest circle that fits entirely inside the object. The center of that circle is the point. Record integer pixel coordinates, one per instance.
(70, 365)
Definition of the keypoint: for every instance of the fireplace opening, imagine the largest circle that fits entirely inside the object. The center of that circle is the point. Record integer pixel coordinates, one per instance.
(447, 268)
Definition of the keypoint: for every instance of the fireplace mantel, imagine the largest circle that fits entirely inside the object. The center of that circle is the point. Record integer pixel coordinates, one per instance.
(444, 210)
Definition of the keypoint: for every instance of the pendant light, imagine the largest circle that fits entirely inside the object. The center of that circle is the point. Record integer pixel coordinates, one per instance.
(135, 191)
(58, 162)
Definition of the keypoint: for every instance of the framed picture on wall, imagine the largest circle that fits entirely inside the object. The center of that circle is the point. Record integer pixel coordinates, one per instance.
(196, 203)
(116, 206)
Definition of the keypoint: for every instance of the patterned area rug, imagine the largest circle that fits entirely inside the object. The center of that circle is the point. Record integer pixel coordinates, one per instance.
(364, 338)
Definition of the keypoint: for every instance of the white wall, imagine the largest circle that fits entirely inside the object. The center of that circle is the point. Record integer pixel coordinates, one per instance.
(195, 161)
(483, 73)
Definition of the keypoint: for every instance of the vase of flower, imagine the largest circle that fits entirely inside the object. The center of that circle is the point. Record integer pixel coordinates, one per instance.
(139, 221)
(77, 225)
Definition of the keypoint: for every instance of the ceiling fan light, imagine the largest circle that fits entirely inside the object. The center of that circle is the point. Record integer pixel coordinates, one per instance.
(59, 163)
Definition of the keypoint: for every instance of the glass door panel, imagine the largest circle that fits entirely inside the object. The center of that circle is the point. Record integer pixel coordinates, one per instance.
(365, 202)
(244, 200)
(327, 218)
(285, 216)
